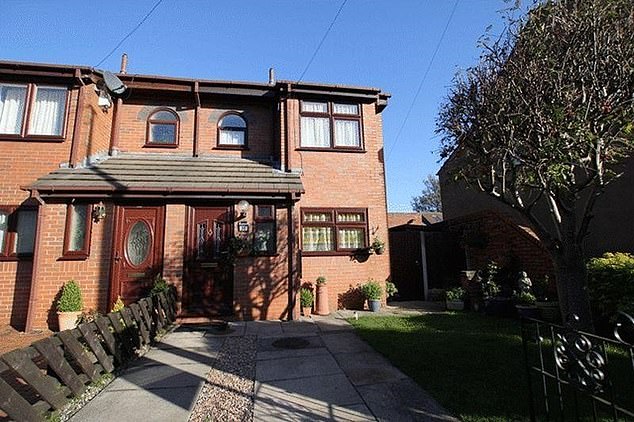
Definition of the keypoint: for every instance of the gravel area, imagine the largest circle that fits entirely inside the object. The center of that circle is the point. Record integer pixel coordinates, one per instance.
(228, 391)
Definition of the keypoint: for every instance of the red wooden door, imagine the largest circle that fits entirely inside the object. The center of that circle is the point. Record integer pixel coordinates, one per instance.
(208, 277)
(137, 255)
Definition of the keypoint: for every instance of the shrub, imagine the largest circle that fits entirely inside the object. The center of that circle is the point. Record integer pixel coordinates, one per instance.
(524, 298)
(118, 305)
(306, 297)
(372, 290)
(490, 287)
(390, 289)
(160, 286)
(70, 298)
(455, 295)
(611, 283)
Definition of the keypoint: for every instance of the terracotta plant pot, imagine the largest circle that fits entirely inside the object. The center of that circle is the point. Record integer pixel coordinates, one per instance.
(67, 320)
(322, 300)
(306, 311)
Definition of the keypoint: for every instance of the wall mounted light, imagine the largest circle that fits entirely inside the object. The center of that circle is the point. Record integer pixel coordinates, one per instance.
(98, 212)
(242, 208)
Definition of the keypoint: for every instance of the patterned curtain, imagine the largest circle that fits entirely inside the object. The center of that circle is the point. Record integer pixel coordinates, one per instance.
(318, 239)
(351, 238)
(315, 131)
(347, 133)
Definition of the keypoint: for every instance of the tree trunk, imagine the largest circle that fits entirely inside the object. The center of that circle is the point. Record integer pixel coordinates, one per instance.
(571, 271)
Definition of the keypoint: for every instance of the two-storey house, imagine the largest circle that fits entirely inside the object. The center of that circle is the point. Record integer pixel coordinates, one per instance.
(235, 192)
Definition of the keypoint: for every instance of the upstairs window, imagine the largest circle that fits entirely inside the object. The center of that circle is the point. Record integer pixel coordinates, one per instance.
(330, 125)
(162, 129)
(45, 106)
(232, 131)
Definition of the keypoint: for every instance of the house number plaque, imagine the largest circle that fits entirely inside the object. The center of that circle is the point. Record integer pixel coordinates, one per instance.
(243, 227)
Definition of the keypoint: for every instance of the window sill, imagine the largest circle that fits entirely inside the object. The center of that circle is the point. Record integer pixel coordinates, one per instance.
(333, 253)
(31, 138)
(353, 150)
(232, 147)
(160, 146)
(73, 257)
(16, 258)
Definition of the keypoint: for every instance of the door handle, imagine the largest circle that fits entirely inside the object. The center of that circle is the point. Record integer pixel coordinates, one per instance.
(116, 257)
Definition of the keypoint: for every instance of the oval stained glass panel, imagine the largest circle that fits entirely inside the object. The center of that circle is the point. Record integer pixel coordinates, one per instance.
(139, 242)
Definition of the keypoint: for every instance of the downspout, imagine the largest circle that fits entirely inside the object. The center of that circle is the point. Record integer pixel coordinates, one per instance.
(79, 112)
(292, 293)
(33, 293)
(114, 133)
(287, 145)
(196, 119)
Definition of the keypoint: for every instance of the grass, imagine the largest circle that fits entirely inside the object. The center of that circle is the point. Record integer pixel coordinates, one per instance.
(472, 364)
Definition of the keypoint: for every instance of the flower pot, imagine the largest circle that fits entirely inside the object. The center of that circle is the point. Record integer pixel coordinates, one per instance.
(548, 311)
(379, 250)
(67, 320)
(527, 311)
(455, 305)
(307, 311)
(322, 300)
(374, 305)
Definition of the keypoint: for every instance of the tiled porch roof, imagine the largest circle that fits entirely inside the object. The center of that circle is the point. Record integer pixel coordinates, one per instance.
(169, 174)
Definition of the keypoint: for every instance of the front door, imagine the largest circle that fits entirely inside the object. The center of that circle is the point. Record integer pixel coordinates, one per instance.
(137, 255)
(208, 278)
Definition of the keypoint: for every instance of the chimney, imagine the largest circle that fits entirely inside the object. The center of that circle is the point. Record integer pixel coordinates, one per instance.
(124, 64)
(271, 76)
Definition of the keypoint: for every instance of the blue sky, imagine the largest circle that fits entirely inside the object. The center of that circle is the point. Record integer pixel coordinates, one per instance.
(385, 44)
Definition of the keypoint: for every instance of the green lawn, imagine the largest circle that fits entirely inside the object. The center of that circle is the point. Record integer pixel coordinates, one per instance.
(470, 363)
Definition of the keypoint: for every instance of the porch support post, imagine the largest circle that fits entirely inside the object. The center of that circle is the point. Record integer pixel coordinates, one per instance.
(292, 288)
(34, 290)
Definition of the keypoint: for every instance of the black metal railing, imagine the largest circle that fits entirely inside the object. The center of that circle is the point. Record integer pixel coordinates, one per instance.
(575, 375)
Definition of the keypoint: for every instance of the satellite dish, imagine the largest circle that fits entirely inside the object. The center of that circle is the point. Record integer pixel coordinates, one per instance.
(113, 84)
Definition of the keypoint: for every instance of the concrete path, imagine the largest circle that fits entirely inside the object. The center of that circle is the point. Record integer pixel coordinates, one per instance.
(313, 369)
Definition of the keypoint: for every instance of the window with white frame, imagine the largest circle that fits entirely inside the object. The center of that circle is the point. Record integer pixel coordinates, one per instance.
(330, 125)
(45, 106)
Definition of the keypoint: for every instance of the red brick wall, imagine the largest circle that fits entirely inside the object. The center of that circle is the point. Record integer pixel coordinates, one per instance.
(92, 274)
(96, 123)
(345, 179)
(174, 246)
(21, 162)
(506, 243)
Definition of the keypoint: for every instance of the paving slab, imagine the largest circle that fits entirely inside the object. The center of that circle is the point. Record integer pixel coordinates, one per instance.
(264, 328)
(345, 342)
(368, 368)
(167, 404)
(299, 327)
(272, 347)
(176, 342)
(176, 356)
(403, 401)
(161, 376)
(331, 323)
(296, 367)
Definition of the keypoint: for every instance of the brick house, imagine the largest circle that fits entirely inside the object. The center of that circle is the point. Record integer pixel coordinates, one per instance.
(172, 176)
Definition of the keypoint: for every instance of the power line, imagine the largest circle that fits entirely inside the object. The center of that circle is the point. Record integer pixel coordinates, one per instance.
(322, 40)
(420, 86)
(148, 14)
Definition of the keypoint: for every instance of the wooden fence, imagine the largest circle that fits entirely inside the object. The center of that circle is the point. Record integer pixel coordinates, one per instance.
(43, 377)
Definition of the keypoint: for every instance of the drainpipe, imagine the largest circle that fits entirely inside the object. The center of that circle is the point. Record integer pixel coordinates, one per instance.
(196, 119)
(292, 293)
(114, 133)
(79, 112)
(34, 291)
(287, 129)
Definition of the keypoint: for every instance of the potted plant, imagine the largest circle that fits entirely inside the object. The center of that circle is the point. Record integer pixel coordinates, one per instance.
(454, 299)
(378, 246)
(390, 289)
(322, 297)
(69, 305)
(306, 300)
(525, 305)
(372, 291)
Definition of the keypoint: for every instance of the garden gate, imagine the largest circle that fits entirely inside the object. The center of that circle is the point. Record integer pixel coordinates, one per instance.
(574, 375)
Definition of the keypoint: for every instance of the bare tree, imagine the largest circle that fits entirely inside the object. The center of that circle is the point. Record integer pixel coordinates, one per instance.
(544, 122)
(429, 199)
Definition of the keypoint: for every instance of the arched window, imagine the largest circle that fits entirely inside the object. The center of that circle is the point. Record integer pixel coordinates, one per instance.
(162, 129)
(232, 131)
